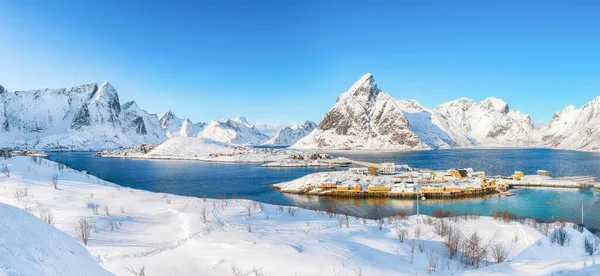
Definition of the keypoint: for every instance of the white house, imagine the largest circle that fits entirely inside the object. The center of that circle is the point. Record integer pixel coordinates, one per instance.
(359, 170)
(403, 188)
(387, 168)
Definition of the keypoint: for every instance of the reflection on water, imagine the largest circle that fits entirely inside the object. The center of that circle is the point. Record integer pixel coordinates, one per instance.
(251, 181)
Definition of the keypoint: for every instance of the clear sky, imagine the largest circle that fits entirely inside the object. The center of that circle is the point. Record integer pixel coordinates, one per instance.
(283, 61)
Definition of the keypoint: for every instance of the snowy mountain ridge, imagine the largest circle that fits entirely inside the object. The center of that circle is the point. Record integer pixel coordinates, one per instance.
(366, 118)
(288, 136)
(84, 117)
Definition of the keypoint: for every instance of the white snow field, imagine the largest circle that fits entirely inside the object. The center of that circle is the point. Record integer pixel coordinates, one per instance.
(166, 235)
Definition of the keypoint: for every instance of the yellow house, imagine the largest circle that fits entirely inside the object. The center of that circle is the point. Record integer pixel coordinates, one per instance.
(517, 175)
(356, 188)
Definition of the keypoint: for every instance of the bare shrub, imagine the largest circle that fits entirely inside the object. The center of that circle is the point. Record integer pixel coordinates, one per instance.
(112, 225)
(106, 210)
(20, 193)
(235, 270)
(91, 195)
(561, 237)
(122, 209)
(204, 214)
(432, 261)
(474, 252)
(441, 227)
(54, 181)
(421, 245)
(380, 223)
(250, 209)
(401, 234)
(292, 211)
(340, 221)
(168, 200)
(412, 244)
(94, 207)
(6, 170)
(47, 216)
(417, 232)
(500, 252)
(141, 271)
(453, 241)
(347, 221)
(590, 244)
(83, 231)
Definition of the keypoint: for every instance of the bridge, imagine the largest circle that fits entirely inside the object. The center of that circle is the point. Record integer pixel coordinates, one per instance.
(356, 162)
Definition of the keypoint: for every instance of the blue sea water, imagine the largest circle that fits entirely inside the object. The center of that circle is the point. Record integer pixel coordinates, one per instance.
(193, 178)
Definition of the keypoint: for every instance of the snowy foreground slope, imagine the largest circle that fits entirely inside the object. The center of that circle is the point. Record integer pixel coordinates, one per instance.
(78, 118)
(166, 234)
(29, 246)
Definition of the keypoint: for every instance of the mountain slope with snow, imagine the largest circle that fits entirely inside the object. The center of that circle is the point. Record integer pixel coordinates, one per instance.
(175, 127)
(433, 128)
(85, 117)
(363, 118)
(574, 128)
(288, 136)
(233, 131)
(490, 122)
(30, 246)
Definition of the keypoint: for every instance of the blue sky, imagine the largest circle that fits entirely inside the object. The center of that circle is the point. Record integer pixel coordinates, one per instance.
(284, 61)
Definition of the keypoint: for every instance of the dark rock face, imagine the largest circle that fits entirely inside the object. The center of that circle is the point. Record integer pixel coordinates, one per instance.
(139, 126)
(82, 117)
(363, 117)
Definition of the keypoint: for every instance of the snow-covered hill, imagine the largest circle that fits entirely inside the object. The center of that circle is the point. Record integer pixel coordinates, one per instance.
(490, 122)
(233, 131)
(574, 128)
(363, 118)
(288, 136)
(33, 247)
(84, 117)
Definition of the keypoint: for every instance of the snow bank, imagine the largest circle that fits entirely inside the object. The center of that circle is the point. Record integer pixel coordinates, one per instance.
(29, 246)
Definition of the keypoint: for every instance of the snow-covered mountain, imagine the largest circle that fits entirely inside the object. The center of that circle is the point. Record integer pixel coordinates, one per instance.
(366, 118)
(288, 136)
(233, 131)
(363, 118)
(574, 128)
(490, 122)
(433, 128)
(175, 127)
(84, 117)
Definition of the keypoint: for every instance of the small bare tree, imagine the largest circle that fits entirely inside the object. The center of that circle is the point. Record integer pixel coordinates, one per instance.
(401, 234)
(474, 250)
(417, 232)
(561, 236)
(94, 207)
(412, 244)
(235, 270)
(47, 216)
(54, 181)
(432, 261)
(122, 209)
(590, 244)
(500, 252)
(453, 241)
(380, 223)
(106, 211)
(21, 193)
(203, 214)
(141, 271)
(6, 170)
(347, 221)
(83, 231)
(249, 209)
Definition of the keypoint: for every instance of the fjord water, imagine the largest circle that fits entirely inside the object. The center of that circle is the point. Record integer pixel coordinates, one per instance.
(193, 178)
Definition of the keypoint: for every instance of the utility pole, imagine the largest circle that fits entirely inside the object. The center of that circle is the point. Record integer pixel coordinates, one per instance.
(581, 214)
